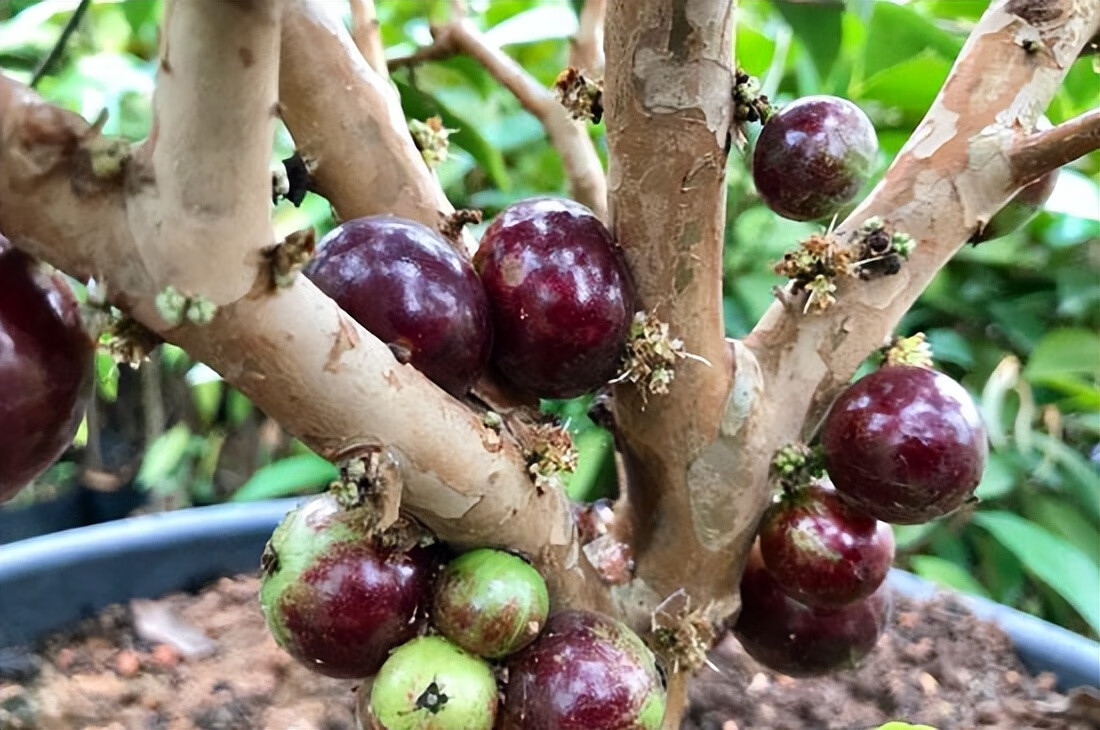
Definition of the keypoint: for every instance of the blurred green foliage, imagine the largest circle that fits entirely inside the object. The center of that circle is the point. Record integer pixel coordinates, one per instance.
(1015, 320)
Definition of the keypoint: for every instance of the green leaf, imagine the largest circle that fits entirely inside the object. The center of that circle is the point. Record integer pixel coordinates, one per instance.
(106, 375)
(819, 27)
(999, 479)
(909, 86)
(164, 455)
(589, 482)
(947, 574)
(1064, 519)
(1064, 351)
(949, 346)
(897, 33)
(908, 536)
(287, 477)
(419, 105)
(1060, 565)
(754, 50)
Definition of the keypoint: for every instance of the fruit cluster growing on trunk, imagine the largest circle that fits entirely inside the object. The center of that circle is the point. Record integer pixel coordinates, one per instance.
(549, 305)
(443, 640)
(904, 444)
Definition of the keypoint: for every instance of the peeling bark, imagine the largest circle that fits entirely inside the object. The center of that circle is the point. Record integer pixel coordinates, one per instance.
(667, 88)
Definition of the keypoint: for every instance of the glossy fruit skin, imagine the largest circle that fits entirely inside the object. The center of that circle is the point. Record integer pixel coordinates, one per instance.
(822, 551)
(560, 294)
(490, 602)
(431, 684)
(813, 156)
(409, 287)
(45, 369)
(905, 444)
(799, 641)
(1020, 209)
(335, 599)
(584, 671)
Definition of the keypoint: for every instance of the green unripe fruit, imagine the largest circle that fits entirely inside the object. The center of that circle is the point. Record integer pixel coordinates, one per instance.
(490, 602)
(431, 684)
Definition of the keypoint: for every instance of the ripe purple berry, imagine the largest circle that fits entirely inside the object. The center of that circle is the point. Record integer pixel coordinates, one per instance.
(45, 369)
(405, 284)
(812, 157)
(560, 294)
(905, 444)
(822, 551)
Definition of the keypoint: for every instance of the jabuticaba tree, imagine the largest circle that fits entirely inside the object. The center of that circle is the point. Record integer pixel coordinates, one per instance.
(176, 233)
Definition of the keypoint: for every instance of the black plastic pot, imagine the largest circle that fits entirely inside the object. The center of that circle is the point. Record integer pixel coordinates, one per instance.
(80, 507)
(51, 581)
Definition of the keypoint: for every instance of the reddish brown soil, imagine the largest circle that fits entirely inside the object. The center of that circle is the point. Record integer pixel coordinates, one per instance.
(937, 665)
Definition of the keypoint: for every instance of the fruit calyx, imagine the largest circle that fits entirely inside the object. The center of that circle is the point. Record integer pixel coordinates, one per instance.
(914, 350)
(651, 356)
(796, 465)
(749, 105)
(581, 96)
(681, 636)
(880, 249)
(287, 259)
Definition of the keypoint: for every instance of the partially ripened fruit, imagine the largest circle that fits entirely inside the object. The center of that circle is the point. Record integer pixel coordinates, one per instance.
(405, 284)
(431, 684)
(560, 295)
(335, 598)
(584, 671)
(800, 641)
(490, 602)
(822, 551)
(1021, 208)
(905, 444)
(813, 156)
(45, 368)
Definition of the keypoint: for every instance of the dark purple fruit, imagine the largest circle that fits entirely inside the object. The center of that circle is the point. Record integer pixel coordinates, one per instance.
(560, 295)
(813, 156)
(431, 684)
(585, 671)
(905, 444)
(822, 551)
(45, 368)
(334, 598)
(405, 284)
(1020, 209)
(797, 640)
(490, 602)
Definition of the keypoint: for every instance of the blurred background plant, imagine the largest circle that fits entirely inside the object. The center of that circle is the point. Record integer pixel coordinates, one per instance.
(1015, 320)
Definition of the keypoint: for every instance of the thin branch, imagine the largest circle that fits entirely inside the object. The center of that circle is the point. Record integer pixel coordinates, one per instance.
(1041, 152)
(587, 181)
(366, 31)
(206, 158)
(586, 51)
(459, 9)
(355, 142)
(62, 40)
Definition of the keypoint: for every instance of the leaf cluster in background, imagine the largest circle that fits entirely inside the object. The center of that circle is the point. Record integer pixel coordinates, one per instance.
(1015, 320)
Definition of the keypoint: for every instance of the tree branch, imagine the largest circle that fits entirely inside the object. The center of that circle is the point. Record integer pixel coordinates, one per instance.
(668, 116)
(348, 126)
(586, 49)
(204, 160)
(952, 175)
(366, 31)
(582, 165)
(1041, 152)
(292, 351)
